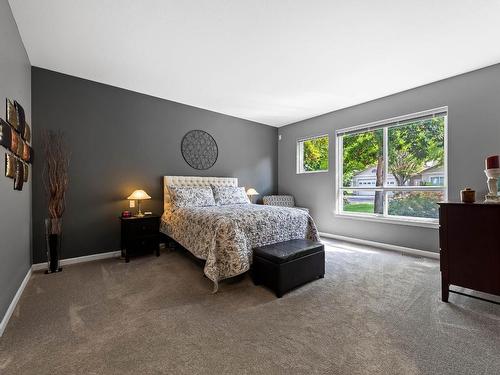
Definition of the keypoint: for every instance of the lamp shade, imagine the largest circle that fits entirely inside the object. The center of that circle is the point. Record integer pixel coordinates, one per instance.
(252, 191)
(139, 195)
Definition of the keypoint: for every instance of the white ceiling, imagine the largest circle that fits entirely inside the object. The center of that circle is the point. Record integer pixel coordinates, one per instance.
(270, 61)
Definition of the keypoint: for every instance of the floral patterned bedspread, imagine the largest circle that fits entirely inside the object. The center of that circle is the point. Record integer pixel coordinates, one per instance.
(225, 235)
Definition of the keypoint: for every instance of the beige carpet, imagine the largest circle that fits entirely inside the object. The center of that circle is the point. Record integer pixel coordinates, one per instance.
(375, 312)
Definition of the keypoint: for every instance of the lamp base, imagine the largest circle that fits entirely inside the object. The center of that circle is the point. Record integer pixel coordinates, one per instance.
(139, 212)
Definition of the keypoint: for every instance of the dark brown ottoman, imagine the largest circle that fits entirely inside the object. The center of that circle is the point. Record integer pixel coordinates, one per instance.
(286, 265)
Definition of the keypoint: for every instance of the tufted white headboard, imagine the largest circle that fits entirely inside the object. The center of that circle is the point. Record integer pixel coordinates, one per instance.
(193, 181)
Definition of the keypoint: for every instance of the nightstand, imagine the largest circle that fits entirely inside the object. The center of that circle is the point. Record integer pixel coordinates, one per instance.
(140, 234)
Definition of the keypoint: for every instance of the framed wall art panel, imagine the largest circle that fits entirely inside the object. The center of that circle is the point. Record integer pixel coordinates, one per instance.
(26, 156)
(27, 133)
(26, 172)
(10, 165)
(19, 177)
(20, 147)
(21, 117)
(5, 134)
(14, 142)
(11, 114)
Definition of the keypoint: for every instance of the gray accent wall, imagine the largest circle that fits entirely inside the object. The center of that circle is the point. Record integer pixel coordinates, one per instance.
(15, 220)
(473, 101)
(121, 141)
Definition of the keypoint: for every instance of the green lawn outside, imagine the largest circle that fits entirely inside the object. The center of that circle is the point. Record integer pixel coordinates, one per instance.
(359, 207)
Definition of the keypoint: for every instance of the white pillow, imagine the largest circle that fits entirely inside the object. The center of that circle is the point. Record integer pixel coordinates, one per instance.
(230, 195)
(191, 196)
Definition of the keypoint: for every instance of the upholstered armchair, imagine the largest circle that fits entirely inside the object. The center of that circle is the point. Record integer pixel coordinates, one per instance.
(281, 200)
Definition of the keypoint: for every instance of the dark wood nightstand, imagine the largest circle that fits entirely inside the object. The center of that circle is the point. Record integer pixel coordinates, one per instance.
(140, 234)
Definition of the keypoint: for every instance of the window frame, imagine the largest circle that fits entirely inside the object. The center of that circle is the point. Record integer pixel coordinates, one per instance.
(385, 217)
(300, 154)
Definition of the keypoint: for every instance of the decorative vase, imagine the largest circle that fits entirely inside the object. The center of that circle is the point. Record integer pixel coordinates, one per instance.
(468, 195)
(53, 234)
(493, 177)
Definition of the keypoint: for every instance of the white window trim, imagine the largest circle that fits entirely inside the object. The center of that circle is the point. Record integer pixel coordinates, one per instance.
(399, 220)
(385, 218)
(300, 154)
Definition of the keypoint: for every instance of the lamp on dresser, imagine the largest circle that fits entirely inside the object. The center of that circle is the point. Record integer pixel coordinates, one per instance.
(139, 195)
(252, 193)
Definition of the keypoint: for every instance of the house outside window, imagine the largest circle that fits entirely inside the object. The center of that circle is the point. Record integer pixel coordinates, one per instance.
(312, 154)
(395, 169)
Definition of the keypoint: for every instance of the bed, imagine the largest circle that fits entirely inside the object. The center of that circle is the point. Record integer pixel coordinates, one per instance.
(224, 235)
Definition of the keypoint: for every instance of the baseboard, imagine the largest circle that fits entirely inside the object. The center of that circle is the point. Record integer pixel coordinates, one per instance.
(13, 304)
(86, 258)
(381, 245)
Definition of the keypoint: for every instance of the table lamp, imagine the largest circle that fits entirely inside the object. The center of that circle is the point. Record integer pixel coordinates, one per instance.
(139, 195)
(251, 193)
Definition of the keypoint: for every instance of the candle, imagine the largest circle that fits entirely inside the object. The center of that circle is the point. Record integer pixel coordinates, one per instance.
(493, 162)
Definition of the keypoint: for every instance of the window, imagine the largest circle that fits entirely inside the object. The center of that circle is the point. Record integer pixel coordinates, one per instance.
(404, 160)
(312, 154)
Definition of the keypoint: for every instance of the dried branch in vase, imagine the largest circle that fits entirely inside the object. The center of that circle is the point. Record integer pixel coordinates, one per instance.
(55, 175)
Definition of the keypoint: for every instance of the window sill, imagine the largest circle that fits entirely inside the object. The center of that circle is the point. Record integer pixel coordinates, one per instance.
(309, 172)
(424, 223)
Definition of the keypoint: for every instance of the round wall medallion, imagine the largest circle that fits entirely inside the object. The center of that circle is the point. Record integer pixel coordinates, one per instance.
(199, 149)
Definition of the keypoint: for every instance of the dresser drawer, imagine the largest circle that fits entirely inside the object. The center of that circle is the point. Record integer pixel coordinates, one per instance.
(143, 243)
(146, 227)
(143, 228)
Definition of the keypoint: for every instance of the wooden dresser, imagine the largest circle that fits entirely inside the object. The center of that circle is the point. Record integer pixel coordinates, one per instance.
(469, 237)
